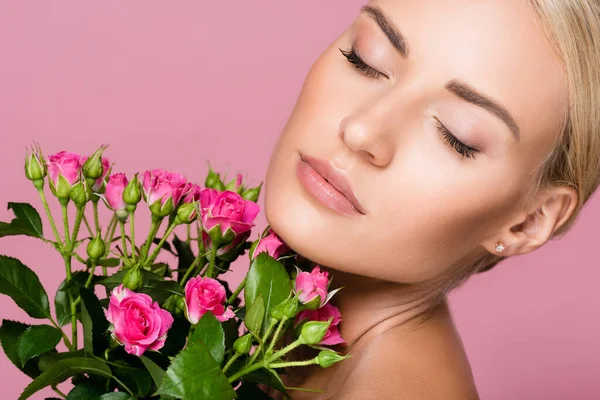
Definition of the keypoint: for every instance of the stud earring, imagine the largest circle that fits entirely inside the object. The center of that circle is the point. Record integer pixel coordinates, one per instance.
(499, 247)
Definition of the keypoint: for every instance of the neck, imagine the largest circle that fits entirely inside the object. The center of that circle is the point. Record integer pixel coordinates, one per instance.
(371, 306)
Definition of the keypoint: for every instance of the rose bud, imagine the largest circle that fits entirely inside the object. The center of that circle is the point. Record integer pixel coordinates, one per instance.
(205, 294)
(192, 193)
(326, 313)
(313, 332)
(186, 213)
(94, 167)
(243, 344)
(271, 244)
(163, 191)
(64, 170)
(235, 185)
(35, 167)
(133, 279)
(132, 194)
(80, 194)
(114, 194)
(312, 287)
(213, 180)
(138, 323)
(96, 248)
(327, 358)
(228, 211)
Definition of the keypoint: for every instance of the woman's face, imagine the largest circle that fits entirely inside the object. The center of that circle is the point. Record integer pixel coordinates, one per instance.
(436, 113)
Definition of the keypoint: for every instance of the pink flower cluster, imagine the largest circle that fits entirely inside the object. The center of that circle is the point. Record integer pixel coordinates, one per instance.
(69, 166)
(312, 288)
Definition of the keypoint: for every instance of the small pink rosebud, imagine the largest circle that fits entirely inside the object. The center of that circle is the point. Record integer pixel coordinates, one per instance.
(271, 244)
(205, 294)
(114, 191)
(192, 193)
(64, 170)
(325, 313)
(312, 285)
(138, 323)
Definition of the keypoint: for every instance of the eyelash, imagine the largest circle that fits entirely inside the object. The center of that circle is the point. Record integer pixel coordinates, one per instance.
(460, 147)
(362, 66)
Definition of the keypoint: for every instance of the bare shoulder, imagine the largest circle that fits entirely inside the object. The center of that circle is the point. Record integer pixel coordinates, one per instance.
(427, 363)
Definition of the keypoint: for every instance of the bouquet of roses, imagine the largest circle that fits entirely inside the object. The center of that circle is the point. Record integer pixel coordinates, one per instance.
(154, 330)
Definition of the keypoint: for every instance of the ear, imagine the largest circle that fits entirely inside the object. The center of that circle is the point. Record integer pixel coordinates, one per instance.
(532, 228)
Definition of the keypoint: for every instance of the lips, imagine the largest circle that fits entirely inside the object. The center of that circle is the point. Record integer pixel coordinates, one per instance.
(328, 185)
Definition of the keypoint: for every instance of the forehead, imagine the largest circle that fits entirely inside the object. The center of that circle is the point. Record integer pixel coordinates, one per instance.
(495, 46)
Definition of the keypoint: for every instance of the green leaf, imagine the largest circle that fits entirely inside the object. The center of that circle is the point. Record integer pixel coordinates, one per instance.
(194, 375)
(269, 278)
(156, 372)
(94, 323)
(85, 391)
(47, 359)
(61, 299)
(185, 256)
(166, 246)
(116, 396)
(10, 332)
(265, 376)
(137, 380)
(63, 369)
(176, 337)
(210, 331)
(27, 221)
(109, 262)
(255, 315)
(36, 340)
(23, 285)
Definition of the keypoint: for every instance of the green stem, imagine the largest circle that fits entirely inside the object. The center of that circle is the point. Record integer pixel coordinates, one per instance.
(151, 235)
(57, 391)
(275, 336)
(67, 230)
(244, 371)
(71, 304)
(132, 235)
(96, 220)
(123, 240)
(295, 363)
(211, 265)
(284, 351)
(112, 223)
(87, 225)
(261, 343)
(64, 335)
(112, 226)
(91, 275)
(49, 214)
(235, 294)
(188, 230)
(161, 243)
(78, 218)
(231, 361)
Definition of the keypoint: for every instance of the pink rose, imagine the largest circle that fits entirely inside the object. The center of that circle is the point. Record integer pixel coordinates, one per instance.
(324, 314)
(160, 185)
(138, 323)
(114, 191)
(227, 209)
(65, 164)
(313, 284)
(272, 244)
(192, 193)
(205, 294)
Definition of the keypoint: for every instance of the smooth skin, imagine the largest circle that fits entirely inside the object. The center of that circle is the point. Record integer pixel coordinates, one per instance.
(430, 210)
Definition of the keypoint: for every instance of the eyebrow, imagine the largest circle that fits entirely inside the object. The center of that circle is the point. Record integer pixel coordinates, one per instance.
(460, 89)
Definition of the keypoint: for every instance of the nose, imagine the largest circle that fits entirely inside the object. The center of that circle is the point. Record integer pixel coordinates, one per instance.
(366, 134)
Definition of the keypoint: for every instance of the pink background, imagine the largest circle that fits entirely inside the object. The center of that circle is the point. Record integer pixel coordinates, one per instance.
(171, 84)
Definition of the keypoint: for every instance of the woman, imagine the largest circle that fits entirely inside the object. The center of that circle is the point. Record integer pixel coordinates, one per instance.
(429, 142)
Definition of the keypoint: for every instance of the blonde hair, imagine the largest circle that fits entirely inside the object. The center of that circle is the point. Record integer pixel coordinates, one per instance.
(573, 29)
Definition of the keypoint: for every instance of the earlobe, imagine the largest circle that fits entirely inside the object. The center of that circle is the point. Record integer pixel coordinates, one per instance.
(536, 227)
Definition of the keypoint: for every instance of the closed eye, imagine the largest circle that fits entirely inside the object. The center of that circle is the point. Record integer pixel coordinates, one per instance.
(362, 66)
(452, 141)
